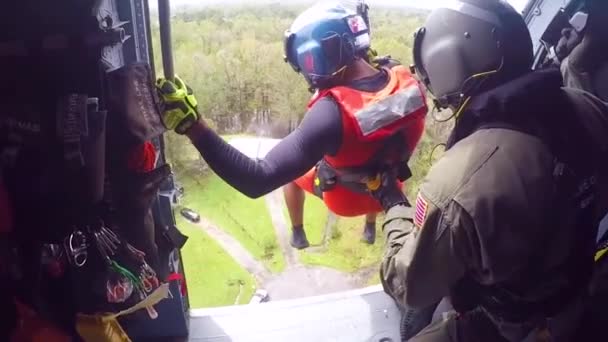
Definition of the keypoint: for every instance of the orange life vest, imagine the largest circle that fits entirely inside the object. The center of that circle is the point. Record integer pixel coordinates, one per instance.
(369, 119)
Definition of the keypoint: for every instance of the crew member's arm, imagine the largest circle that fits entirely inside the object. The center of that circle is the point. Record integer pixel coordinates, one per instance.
(420, 263)
(319, 133)
(400, 238)
(577, 69)
(588, 56)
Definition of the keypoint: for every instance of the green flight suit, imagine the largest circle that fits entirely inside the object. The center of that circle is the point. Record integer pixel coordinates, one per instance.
(482, 212)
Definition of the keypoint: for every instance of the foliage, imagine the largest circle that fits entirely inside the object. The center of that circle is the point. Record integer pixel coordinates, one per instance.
(346, 251)
(233, 59)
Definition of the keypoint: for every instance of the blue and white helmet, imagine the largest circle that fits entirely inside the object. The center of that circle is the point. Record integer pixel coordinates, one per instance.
(324, 40)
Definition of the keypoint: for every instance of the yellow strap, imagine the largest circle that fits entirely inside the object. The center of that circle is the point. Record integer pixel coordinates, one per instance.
(374, 183)
(599, 254)
(105, 327)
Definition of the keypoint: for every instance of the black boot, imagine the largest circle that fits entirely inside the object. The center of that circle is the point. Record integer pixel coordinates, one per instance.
(298, 238)
(369, 233)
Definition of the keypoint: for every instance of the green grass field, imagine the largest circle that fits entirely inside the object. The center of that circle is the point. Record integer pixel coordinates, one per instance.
(315, 219)
(346, 251)
(245, 219)
(213, 276)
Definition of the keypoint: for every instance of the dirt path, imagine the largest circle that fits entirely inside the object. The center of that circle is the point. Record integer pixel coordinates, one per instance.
(304, 281)
(236, 250)
(330, 225)
(274, 202)
(364, 275)
(297, 280)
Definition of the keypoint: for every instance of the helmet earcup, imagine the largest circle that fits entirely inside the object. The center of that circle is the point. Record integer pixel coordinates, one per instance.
(349, 49)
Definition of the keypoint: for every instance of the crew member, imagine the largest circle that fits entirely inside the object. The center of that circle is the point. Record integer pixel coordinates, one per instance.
(504, 223)
(361, 119)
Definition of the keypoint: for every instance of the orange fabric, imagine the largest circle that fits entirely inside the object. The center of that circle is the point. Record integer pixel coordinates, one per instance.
(356, 149)
(340, 200)
(32, 328)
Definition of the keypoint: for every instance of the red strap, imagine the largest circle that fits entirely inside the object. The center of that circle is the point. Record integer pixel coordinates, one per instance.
(180, 278)
(142, 158)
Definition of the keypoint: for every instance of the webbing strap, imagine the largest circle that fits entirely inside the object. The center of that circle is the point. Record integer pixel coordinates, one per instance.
(355, 178)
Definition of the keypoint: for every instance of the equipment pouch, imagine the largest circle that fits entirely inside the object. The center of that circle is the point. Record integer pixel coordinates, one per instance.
(175, 237)
(94, 152)
(81, 127)
(133, 104)
(133, 195)
(325, 178)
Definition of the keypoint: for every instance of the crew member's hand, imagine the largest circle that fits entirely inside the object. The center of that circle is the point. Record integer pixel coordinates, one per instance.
(386, 190)
(590, 54)
(569, 40)
(179, 106)
(372, 54)
(376, 60)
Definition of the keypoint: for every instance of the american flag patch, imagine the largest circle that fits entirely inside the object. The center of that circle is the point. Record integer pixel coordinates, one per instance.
(421, 206)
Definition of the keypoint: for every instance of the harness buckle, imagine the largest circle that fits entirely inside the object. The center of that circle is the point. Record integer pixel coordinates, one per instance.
(374, 183)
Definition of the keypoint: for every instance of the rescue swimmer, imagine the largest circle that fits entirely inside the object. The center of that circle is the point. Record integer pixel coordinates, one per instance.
(504, 223)
(361, 119)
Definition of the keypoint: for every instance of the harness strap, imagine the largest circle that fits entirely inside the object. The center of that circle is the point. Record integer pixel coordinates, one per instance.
(356, 179)
(327, 177)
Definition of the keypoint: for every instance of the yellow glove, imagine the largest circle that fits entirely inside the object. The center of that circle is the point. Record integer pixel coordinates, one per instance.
(372, 54)
(179, 110)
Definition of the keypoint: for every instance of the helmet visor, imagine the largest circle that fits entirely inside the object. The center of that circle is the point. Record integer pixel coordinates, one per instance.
(417, 58)
(422, 75)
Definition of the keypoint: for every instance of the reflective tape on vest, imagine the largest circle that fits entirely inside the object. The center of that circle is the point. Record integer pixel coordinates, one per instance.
(388, 110)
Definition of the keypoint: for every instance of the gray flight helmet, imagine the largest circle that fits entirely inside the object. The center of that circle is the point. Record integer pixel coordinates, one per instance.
(464, 43)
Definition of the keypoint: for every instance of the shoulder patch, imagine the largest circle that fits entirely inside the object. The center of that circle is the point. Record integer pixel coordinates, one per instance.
(421, 208)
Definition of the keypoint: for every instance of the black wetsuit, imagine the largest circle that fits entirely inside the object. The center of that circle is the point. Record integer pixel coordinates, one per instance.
(319, 134)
